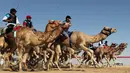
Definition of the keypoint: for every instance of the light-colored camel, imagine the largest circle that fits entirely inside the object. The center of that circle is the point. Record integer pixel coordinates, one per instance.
(28, 38)
(81, 40)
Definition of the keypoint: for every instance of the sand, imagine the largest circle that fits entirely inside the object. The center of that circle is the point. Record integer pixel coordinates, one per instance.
(119, 69)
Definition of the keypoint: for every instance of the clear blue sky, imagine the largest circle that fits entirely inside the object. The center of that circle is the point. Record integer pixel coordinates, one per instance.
(88, 16)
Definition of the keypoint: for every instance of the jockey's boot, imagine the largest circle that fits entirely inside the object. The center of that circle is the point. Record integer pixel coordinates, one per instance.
(70, 42)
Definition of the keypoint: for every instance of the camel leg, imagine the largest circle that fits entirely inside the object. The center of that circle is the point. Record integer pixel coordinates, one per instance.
(71, 51)
(45, 56)
(25, 56)
(82, 62)
(114, 59)
(24, 60)
(20, 47)
(84, 58)
(57, 53)
(20, 58)
(108, 64)
(37, 51)
(51, 58)
(77, 58)
(7, 58)
(90, 54)
(70, 56)
(99, 59)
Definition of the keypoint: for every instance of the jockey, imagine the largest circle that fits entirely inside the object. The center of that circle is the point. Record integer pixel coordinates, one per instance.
(66, 26)
(11, 20)
(28, 22)
(106, 43)
(100, 44)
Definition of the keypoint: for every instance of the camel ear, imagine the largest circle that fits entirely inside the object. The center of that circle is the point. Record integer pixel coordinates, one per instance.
(51, 21)
(106, 27)
(126, 43)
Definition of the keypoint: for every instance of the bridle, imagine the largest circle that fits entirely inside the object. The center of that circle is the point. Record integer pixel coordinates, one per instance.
(106, 33)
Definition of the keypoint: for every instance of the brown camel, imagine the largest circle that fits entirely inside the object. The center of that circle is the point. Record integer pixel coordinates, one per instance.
(109, 52)
(99, 53)
(116, 52)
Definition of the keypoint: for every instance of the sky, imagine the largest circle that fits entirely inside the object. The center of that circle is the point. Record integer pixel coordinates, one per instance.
(88, 16)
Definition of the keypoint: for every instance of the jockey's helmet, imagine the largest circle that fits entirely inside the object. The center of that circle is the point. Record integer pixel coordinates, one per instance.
(68, 17)
(13, 10)
(28, 17)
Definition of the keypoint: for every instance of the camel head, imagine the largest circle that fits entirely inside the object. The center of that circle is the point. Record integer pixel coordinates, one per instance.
(54, 22)
(114, 44)
(108, 31)
(122, 46)
(52, 31)
(51, 25)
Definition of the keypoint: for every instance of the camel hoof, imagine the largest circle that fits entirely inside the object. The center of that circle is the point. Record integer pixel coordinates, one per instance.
(60, 69)
(25, 69)
(9, 69)
(46, 69)
(32, 70)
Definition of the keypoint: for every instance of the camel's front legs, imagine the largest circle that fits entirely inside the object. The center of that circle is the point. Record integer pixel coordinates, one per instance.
(90, 54)
(71, 52)
(108, 64)
(25, 56)
(37, 51)
(51, 57)
(24, 60)
(20, 53)
(114, 59)
(57, 55)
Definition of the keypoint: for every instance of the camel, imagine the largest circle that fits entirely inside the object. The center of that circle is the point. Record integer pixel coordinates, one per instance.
(99, 53)
(109, 52)
(28, 38)
(81, 40)
(116, 52)
(31, 39)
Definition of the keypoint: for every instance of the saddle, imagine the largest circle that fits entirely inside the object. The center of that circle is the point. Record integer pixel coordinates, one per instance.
(62, 37)
(10, 31)
(93, 48)
(105, 46)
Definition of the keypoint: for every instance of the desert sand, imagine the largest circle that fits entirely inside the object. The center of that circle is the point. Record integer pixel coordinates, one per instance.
(118, 69)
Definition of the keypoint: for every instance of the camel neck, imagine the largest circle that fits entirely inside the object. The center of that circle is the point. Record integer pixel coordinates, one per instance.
(96, 38)
(52, 35)
(118, 50)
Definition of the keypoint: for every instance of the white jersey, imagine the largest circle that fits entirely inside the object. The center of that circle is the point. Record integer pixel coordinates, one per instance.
(7, 16)
(101, 44)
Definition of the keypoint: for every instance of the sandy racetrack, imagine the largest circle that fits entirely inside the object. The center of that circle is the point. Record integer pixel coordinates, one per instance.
(121, 69)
